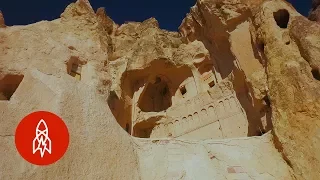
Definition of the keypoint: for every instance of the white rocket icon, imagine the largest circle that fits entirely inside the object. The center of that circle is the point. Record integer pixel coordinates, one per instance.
(42, 142)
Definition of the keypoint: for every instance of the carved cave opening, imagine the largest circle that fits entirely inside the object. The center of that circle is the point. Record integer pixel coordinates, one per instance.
(316, 74)
(149, 105)
(8, 86)
(156, 96)
(282, 17)
(147, 94)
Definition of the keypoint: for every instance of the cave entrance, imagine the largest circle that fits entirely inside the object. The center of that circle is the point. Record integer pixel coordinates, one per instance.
(8, 85)
(316, 74)
(156, 96)
(282, 18)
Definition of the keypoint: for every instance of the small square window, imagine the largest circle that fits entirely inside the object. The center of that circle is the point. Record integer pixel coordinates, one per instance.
(183, 90)
(211, 84)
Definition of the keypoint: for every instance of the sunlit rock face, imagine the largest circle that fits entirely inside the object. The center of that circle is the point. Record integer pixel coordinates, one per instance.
(291, 48)
(232, 95)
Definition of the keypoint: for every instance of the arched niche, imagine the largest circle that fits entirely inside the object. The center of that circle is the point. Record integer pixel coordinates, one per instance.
(156, 96)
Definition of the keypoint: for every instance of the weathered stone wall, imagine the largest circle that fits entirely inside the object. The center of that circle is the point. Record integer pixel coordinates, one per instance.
(235, 69)
(35, 68)
(292, 84)
(226, 30)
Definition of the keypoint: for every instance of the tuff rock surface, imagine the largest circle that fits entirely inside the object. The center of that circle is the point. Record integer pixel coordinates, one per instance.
(232, 95)
(314, 14)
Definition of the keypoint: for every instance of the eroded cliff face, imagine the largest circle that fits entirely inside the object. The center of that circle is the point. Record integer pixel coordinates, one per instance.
(225, 29)
(248, 47)
(210, 76)
(235, 69)
(291, 49)
(57, 66)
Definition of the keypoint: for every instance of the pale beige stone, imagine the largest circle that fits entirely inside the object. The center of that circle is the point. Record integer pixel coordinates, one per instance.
(145, 103)
(292, 82)
(245, 158)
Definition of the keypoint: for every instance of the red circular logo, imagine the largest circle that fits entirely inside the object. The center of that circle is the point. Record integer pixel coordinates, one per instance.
(42, 138)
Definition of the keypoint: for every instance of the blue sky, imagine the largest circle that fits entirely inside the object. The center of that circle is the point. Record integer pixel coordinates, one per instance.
(169, 13)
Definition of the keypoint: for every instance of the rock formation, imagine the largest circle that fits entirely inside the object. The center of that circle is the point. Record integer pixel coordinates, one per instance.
(232, 95)
(314, 14)
(2, 23)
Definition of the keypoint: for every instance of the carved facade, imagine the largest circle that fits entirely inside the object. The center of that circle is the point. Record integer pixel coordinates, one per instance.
(179, 102)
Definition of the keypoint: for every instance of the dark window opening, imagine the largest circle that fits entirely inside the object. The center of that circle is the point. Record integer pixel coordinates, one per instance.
(211, 84)
(8, 85)
(316, 74)
(288, 42)
(183, 90)
(282, 18)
